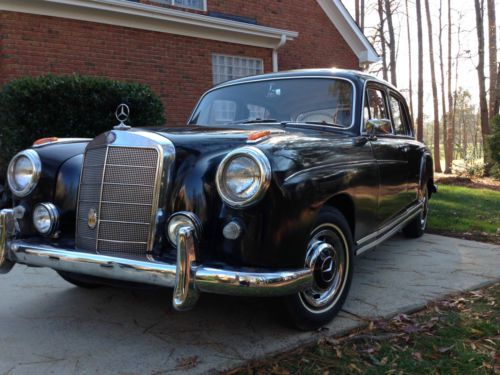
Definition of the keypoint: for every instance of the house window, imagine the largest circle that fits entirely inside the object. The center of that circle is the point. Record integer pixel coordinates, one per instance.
(227, 67)
(192, 4)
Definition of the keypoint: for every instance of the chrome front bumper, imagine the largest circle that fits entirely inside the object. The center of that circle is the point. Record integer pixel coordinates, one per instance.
(186, 277)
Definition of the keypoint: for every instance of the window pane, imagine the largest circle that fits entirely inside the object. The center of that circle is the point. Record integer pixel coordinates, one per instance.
(226, 67)
(376, 104)
(397, 117)
(223, 111)
(195, 4)
(320, 101)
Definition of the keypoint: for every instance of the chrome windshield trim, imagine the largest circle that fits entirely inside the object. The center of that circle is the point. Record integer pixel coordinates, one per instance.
(230, 84)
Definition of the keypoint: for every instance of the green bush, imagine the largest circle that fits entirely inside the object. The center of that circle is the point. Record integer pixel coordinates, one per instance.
(494, 144)
(69, 106)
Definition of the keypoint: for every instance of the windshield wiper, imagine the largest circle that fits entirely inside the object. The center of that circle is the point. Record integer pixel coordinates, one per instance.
(320, 123)
(256, 121)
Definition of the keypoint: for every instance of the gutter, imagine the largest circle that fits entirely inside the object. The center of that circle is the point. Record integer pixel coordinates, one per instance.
(153, 18)
(282, 42)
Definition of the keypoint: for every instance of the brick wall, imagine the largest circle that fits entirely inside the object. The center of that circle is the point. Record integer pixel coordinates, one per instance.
(177, 68)
(319, 44)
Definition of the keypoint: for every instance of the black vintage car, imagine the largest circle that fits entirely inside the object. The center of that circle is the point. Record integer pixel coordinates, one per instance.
(274, 186)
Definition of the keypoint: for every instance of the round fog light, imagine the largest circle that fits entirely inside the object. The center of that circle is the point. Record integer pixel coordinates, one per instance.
(45, 218)
(181, 220)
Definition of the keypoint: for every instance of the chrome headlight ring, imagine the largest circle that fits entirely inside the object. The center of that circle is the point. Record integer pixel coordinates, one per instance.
(46, 218)
(36, 169)
(261, 184)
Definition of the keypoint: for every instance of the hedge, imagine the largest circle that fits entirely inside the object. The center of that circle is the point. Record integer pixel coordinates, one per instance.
(69, 106)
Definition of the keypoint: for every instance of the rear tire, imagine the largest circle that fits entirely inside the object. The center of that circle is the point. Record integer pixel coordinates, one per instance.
(81, 281)
(331, 240)
(416, 227)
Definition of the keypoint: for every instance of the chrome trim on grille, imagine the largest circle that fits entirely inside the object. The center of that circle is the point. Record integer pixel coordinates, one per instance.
(126, 142)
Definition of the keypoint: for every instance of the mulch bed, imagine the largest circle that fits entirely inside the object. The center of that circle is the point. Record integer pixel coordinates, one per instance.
(471, 182)
(479, 237)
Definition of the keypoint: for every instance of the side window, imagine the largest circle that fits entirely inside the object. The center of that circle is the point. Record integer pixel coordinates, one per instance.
(398, 117)
(376, 109)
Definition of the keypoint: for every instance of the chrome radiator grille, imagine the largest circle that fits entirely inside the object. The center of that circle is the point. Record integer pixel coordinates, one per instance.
(118, 184)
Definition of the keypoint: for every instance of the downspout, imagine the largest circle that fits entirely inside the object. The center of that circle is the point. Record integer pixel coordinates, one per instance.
(275, 53)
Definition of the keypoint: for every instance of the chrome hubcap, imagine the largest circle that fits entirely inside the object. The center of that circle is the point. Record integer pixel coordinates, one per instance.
(327, 258)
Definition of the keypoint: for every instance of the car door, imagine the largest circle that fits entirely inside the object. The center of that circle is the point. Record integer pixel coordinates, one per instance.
(403, 130)
(390, 152)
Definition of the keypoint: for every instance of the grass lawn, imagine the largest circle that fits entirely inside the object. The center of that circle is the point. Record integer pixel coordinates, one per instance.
(466, 211)
(460, 335)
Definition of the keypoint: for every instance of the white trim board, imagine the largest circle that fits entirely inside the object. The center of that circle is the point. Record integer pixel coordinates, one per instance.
(154, 18)
(350, 31)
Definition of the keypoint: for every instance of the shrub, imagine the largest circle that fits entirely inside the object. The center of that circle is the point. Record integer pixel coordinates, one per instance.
(471, 167)
(69, 106)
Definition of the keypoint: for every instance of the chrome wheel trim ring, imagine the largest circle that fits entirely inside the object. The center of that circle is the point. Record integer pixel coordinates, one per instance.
(322, 298)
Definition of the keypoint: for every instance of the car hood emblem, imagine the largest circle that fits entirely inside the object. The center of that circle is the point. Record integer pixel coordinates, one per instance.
(122, 114)
(92, 218)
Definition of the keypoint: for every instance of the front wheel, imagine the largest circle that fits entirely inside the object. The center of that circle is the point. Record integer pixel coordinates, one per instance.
(330, 255)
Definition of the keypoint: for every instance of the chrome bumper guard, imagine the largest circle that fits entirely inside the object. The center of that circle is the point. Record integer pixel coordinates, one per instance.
(186, 277)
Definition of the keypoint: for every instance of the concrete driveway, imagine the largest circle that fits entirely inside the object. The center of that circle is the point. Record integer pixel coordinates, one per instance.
(48, 326)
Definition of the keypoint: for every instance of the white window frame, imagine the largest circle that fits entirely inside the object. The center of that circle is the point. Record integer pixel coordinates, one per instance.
(216, 74)
(172, 2)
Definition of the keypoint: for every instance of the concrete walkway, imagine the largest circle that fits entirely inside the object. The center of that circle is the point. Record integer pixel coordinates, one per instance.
(48, 326)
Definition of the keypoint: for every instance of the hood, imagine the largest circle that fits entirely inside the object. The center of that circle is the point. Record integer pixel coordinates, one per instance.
(289, 148)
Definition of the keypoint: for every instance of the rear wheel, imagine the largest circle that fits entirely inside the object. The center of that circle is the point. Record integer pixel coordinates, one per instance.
(416, 227)
(81, 281)
(330, 255)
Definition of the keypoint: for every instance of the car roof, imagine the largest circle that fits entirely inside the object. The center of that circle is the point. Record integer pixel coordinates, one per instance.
(304, 73)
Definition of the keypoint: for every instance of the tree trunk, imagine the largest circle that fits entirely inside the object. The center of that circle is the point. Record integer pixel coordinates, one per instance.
(382, 39)
(362, 16)
(450, 131)
(410, 76)
(492, 45)
(392, 42)
(483, 103)
(356, 10)
(437, 153)
(443, 89)
(497, 102)
(420, 119)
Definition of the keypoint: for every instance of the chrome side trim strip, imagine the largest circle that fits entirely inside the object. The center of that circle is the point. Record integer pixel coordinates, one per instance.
(358, 163)
(386, 232)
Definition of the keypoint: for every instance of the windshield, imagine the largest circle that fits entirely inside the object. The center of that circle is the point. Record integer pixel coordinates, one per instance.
(298, 100)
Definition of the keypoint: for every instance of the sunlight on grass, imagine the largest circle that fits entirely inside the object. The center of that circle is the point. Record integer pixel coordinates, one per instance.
(461, 209)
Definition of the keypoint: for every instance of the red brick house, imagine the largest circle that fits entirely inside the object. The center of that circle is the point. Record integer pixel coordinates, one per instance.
(178, 47)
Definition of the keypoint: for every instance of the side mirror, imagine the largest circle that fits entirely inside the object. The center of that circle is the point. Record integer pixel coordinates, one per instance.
(376, 126)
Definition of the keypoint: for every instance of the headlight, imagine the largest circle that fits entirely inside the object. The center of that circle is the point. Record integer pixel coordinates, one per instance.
(23, 172)
(45, 218)
(180, 220)
(243, 177)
